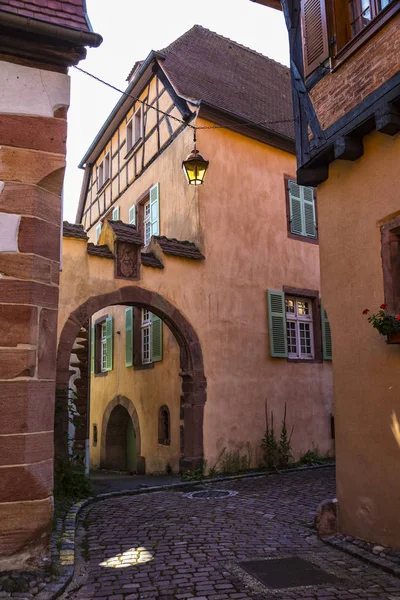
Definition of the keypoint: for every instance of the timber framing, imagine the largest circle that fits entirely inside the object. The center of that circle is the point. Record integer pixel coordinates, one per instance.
(316, 147)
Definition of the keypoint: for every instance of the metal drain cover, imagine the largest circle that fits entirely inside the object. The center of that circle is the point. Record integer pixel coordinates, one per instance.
(209, 494)
(278, 573)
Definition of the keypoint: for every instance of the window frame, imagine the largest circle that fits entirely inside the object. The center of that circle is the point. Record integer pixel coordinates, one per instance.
(98, 372)
(162, 440)
(297, 318)
(313, 297)
(299, 236)
(104, 167)
(146, 221)
(135, 129)
(390, 253)
(145, 329)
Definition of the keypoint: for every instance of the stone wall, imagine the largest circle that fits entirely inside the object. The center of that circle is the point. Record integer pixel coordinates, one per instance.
(32, 161)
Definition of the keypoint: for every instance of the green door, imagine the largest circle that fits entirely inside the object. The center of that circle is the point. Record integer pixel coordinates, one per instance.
(131, 447)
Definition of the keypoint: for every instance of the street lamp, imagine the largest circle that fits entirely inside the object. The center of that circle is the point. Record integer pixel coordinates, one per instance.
(195, 166)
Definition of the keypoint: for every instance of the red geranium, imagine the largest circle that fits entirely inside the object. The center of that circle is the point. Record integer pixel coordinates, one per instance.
(365, 311)
(384, 305)
(398, 317)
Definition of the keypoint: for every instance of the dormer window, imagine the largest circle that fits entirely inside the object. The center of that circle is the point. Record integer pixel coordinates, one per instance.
(134, 129)
(103, 171)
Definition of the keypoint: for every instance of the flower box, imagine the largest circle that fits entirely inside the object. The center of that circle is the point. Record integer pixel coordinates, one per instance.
(394, 337)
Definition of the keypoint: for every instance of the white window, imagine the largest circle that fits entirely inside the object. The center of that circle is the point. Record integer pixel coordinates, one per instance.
(134, 129)
(132, 215)
(98, 232)
(299, 327)
(103, 171)
(147, 223)
(103, 347)
(146, 336)
(115, 214)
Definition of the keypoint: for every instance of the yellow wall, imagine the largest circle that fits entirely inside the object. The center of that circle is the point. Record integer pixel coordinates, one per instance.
(238, 219)
(353, 203)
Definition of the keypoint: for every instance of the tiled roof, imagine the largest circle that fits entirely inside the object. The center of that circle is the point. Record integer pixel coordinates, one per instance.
(103, 251)
(126, 233)
(176, 248)
(74, 230)
(67, 13)
(150, 260)
(203, 65)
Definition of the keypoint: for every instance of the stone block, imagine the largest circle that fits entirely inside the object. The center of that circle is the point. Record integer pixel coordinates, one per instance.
(24, 533)
(327, 517)
(31, 166)
(35, 133)
(28, 292)
(25, 266)
(18, 324)
(30, 200)
(26, 448)
(39, 237)
(27, 482)
(55, 272)
(47, 344)
(19, 362)
(26, 406)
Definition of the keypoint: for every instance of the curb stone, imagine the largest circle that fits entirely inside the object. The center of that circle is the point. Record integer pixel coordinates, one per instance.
(65, 558)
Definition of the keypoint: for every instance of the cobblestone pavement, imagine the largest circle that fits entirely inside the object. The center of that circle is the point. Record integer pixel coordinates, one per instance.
(168, 546)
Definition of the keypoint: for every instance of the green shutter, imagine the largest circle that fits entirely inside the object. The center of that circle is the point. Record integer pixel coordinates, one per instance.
(115, 214)
(156, 338)
(128, 337)
(296, 222)
(109, 343)
(326, 335)
(132, 215)
(309, 212)
(155, 209)
(92, 347)
(277, 324)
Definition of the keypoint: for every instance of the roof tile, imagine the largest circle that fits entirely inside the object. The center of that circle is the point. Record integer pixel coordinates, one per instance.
(126, 233)
(74, 230)
(102, 251)
(150, 260)
(69, 13)
(177, 248)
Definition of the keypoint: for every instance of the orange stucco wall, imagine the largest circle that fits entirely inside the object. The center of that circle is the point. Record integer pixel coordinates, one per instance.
(238, 219)
(353, 203)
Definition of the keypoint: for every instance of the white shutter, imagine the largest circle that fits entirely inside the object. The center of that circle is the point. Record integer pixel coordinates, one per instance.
(155, 209)
(98, 232)
(132, 215)
(296, 222)
(115, 214)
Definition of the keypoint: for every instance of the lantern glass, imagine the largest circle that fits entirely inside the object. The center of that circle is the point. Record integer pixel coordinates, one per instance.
(195, 167)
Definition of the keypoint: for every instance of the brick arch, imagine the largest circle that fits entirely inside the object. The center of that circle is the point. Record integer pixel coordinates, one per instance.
(191, 361)
(131, 410)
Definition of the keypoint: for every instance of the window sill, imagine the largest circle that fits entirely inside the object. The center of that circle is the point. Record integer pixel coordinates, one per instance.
(303, 238)
(144, 367)
(364, 35)
(305, 360)
(101, 374)
(164, 442)
(132, 149)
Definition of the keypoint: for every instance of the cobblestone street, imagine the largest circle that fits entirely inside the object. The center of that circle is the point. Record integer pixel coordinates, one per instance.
(166, 545)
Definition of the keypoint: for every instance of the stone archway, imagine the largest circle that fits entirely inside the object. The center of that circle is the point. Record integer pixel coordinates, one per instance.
(127, 405)
(191, 361)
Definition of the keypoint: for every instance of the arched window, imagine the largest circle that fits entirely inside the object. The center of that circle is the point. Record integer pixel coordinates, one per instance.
(164, 426)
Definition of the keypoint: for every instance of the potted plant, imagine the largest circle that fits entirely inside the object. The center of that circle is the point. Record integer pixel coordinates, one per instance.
(385, 323)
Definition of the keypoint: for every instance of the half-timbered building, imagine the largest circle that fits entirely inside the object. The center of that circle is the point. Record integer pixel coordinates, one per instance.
(237, 258)
(345, 62)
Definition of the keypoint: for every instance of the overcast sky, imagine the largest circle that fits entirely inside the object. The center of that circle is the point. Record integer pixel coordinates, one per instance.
(131, 29)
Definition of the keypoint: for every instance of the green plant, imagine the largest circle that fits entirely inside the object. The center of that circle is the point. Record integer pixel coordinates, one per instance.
(312, 457)
(196, 474)
(382, 321)
(284, 445)
(270, 445)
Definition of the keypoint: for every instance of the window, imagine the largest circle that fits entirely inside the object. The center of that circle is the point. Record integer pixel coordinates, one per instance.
(134, 129)
(363, 11)
(301, 209)
(115, 214)
(299, 328)
(101, 346)
(298, 325)
(164, 435)
(149, 213)
(390, 252)
(146, 338)
(132, 215)
(94, 438)
(103, 171)
(147, 223)
(98, 232)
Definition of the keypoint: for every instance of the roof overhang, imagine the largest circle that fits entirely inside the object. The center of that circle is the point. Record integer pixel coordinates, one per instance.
(245, 127)
(270, 3)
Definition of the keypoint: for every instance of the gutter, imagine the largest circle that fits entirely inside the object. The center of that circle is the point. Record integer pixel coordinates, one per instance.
(35, 26)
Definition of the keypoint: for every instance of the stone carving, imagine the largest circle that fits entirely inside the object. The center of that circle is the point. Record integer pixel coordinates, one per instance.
(127, 264)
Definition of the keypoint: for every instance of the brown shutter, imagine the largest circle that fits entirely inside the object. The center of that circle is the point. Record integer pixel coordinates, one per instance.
(315, 34)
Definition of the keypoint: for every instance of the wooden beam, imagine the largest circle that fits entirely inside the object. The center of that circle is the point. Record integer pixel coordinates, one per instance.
(270, 3)
(348, 148)
(387, 119)
(312, 176)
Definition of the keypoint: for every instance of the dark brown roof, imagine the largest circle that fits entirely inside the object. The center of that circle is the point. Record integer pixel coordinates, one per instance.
(205, 66)
(177, 248)
(103, 251)
(150, 260)
(67, 13)
(126, 233)
(74, 230)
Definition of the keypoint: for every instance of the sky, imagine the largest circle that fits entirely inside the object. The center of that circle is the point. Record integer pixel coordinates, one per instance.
(130, 30)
